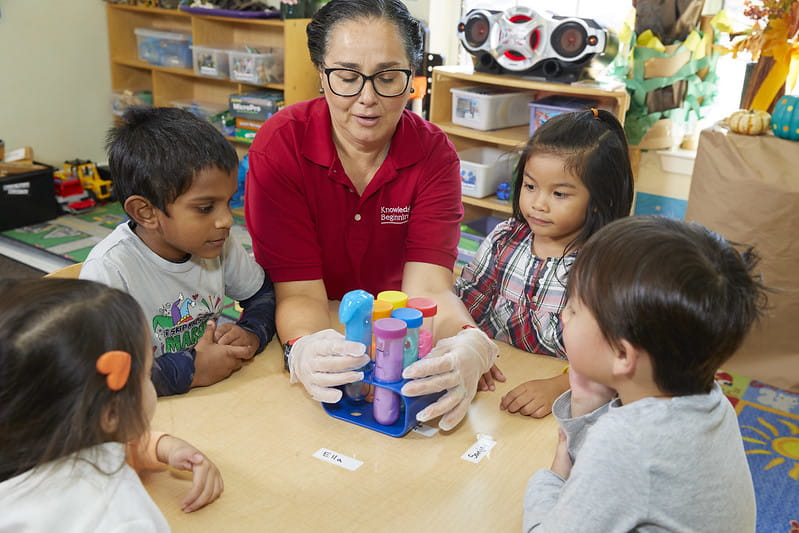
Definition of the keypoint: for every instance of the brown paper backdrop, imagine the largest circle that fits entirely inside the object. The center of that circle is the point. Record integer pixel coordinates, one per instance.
(747, 189)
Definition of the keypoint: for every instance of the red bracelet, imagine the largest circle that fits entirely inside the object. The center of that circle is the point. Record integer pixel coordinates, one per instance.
(467, 326)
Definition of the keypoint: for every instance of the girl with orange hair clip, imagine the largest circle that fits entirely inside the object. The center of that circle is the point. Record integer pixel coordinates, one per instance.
(76, 402)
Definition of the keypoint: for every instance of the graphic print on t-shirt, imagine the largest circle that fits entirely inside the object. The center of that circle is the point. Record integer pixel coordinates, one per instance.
(181, 323)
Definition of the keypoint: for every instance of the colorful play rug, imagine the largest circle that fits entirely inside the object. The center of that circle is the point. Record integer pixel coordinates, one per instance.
(73, 236)
(769, 420)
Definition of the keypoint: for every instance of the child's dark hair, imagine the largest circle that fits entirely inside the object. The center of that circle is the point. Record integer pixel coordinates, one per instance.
(336, 11)
(52, 398)
(676, 290)
(593, 148)
(156, 152)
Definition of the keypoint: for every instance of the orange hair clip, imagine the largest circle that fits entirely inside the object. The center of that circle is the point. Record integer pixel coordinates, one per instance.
(595, 112)
(115, 364)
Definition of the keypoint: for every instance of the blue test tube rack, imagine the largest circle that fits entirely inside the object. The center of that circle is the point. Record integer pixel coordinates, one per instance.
(360, 413)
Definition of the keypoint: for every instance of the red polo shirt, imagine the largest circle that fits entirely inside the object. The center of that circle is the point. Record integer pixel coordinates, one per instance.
(307, 222)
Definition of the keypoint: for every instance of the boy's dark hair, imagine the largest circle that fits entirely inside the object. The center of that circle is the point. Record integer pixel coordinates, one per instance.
(52, 331)
(594, 149)
(156, 152)
(674, 289)
(335, 11)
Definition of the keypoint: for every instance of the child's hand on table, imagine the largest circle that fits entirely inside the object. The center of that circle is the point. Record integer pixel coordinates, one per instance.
(535, 398)
(487, 380)
(207, 482)
(234, 335)
(214, 362)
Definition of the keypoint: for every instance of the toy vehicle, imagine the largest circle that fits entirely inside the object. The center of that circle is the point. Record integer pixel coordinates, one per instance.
(69, 193)
(86, 172)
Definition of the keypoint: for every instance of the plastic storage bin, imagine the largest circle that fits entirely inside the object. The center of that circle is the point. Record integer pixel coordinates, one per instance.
(122, 100)
(211, 61)
(546, 108)
(473, 233)
(211, 111)
(257, 65)
(482, 170)
(164, 48)
(490, 108)
(26, 197)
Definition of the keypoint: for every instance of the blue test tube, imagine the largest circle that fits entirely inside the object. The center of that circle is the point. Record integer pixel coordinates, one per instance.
(413, 320)
(355, 312)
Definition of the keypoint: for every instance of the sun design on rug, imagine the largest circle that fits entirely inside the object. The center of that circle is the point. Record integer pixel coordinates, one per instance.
(784, 446)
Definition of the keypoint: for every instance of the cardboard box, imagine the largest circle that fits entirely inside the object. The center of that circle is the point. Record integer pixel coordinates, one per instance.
(26, 197)
(241, 134)
(247, 124)
(256, 106)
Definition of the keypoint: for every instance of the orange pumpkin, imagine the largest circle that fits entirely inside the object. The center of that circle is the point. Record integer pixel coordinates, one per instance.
(749, 122)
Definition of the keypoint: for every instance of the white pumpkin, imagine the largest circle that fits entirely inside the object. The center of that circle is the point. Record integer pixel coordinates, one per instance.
(749, 122)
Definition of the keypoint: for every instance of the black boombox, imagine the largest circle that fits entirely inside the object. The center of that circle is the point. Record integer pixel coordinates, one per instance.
(521, 40)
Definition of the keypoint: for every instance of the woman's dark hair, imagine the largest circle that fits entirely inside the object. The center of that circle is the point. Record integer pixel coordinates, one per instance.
(594, 148)
(676, 290)
(331, 14)
(157, 152)
(52, 398)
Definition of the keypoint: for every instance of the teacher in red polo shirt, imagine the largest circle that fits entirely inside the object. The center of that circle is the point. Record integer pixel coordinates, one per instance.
(352, 191)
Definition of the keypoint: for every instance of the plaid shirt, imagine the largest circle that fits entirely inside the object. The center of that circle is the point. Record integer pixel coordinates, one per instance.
(514, 296)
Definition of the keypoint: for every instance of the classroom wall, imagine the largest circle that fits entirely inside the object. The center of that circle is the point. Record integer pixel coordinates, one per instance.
(54, 78)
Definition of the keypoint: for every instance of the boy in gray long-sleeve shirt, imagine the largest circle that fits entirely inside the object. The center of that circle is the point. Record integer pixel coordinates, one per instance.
(648, 442)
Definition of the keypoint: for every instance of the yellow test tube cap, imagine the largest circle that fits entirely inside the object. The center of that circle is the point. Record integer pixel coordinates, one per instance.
(397, 299)
(381, 309)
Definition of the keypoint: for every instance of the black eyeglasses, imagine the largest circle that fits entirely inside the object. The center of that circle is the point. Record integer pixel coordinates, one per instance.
(347, 82)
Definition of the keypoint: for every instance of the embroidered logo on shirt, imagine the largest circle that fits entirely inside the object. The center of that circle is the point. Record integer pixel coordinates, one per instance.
(395, 215)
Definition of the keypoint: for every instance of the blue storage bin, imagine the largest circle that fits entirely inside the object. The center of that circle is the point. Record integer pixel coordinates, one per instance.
(164, 48)
(546, 108)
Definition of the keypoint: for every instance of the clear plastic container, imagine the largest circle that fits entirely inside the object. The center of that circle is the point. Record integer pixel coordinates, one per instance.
(428, 308)
(213, 112)
(355, 312)
(256, 65)
(490, 108)
(483, 168)
(211, 61)
(389, 340)
(164, 48)
(121, 100)
(413, 321)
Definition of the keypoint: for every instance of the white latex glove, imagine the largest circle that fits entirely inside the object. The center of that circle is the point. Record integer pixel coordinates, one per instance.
(454, 365)
(323, 360)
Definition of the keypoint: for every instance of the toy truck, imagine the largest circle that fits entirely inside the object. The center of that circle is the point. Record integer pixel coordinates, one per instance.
(69, 193)
(86, 172)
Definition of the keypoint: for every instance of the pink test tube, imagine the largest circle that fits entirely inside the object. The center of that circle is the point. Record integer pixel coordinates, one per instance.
(389, 341)
(429, 309)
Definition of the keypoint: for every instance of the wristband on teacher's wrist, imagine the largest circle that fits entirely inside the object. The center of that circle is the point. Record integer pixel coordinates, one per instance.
(287, 351)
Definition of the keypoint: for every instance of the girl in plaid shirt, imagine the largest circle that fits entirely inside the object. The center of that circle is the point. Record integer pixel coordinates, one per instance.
(573, 177)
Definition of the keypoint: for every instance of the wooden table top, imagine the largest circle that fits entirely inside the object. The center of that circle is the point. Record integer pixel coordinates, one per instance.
(262, 433)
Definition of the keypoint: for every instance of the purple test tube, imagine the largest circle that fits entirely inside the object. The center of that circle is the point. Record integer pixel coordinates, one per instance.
(389, 341)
